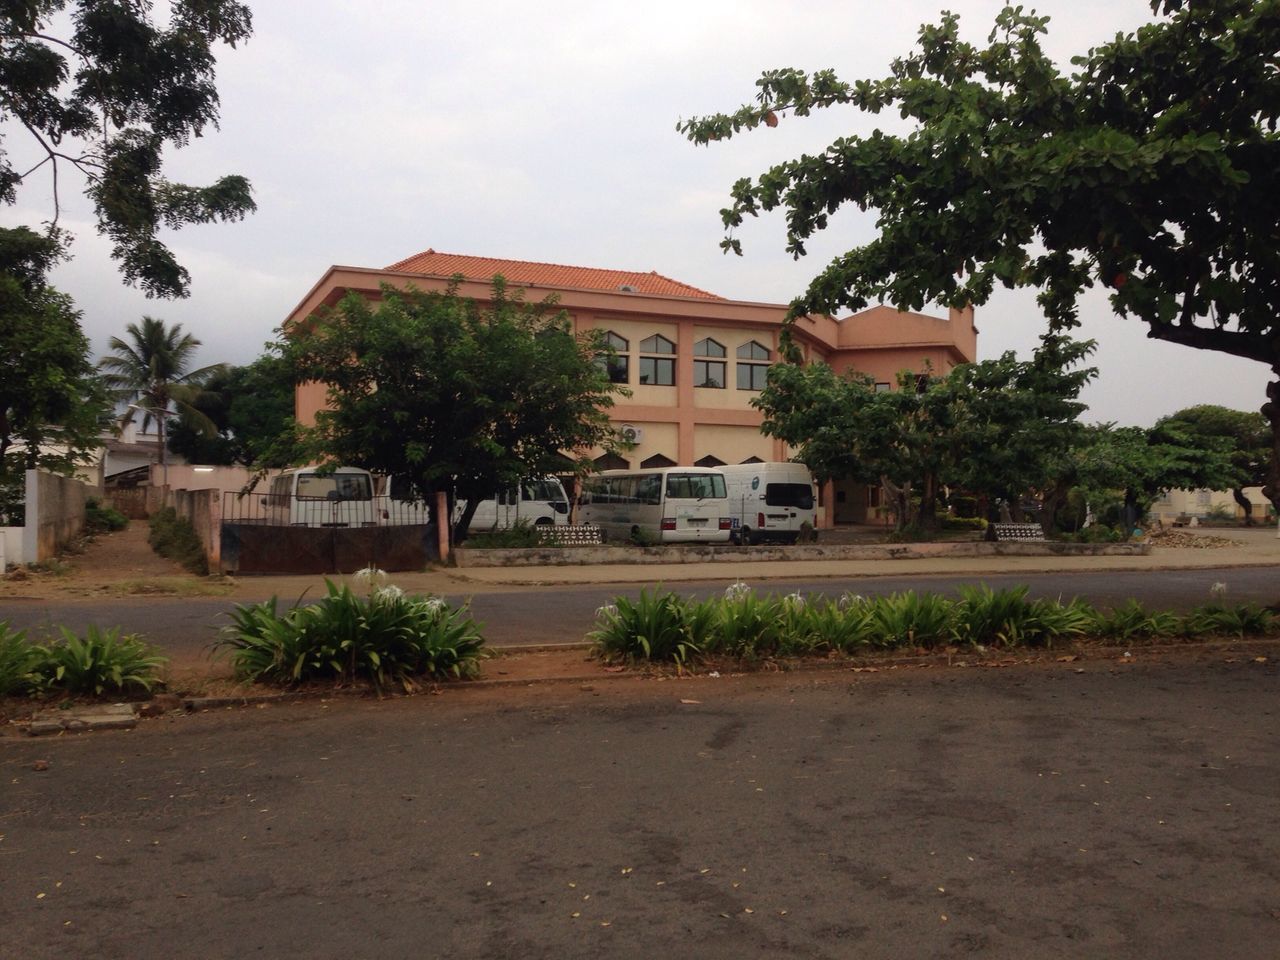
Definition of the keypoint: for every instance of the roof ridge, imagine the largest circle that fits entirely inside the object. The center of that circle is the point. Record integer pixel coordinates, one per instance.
(399, 264)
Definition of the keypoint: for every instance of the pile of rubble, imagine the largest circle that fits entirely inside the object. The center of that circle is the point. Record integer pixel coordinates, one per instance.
(1181, 538)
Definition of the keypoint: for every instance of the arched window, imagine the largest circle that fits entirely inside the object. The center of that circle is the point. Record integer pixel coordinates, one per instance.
(753, 376)
(709, 372)
(659, 370)
(617, 364)
(657, 460)
(611, 461)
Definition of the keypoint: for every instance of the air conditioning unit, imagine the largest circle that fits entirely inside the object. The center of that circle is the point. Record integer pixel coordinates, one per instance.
(631, 433)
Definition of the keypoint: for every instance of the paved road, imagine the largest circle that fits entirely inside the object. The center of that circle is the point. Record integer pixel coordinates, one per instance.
(564, 613)
(1122, 812)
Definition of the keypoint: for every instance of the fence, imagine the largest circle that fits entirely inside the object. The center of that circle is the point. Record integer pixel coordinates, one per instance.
(262, 533)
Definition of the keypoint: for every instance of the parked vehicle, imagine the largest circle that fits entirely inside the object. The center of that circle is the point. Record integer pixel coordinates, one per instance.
(398, 505)
(663, 505)
(536, 502)
(305, 497)
(770, 501)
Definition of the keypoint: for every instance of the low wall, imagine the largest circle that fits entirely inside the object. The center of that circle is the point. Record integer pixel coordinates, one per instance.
(204, 509)
(727, 553)
(10, 547)
(55, 514)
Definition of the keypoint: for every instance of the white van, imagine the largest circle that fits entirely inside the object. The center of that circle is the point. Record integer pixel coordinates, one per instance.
(663, 505)
(397, 504)
(307, 498)
(536, 502)
(769, 501)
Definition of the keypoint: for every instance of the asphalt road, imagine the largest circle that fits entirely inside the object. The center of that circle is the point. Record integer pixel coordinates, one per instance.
(557, 614)
(1126, 811)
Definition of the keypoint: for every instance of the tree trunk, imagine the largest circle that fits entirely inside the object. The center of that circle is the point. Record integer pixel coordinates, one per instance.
(1271, 410)
(463, 527)
(927, 519)
(900, 497)
(1245, 504)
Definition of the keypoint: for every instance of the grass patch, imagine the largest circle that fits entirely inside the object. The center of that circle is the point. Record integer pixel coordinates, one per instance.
(171, 587)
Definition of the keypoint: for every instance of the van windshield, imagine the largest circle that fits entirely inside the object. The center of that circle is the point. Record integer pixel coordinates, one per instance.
(799, 495)
(336, 486)
(695, 486)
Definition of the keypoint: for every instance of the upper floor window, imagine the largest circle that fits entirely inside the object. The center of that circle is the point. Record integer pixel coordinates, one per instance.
(708, 373)
(658, 370)
(753, 376)
(617, 365)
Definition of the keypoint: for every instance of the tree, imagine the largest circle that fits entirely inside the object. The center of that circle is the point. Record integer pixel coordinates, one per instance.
(1246, 435)
(52, 406)
(1153, 170)
(994, 428)
(1146, 464)
(250, 407)
(153, 368)
(105, 101)
(453, 395)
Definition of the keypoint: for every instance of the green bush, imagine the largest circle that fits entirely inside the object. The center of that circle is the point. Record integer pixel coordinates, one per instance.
(100, 662)
(99, 518)
(174, 537)
(388, 637)
(18, 662)
(1245, 620)
(663, 627)
(963, 523)
(521, 535)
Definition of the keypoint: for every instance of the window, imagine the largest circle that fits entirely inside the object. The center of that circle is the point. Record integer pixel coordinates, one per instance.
(709, 373)
(659, 370)
(753, 376)
(695, 486)
(882, 387)
(710, 460)
(617, 365)
(657, 460)
(611, 461)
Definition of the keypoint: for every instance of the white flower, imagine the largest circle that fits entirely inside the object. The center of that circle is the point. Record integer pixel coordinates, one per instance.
(389, 592)
(793, 599)
(850, 599)
(370, 575)
(1218, 590)
(736, 591)
(608, 610)
(435, 604)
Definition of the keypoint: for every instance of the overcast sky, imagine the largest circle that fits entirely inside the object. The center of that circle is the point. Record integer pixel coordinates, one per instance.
(547, 133)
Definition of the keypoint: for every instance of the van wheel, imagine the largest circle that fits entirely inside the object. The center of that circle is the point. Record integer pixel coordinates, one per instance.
(543, 522)
(746, 537)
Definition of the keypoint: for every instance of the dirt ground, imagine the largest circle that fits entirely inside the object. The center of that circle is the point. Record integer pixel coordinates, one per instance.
(122, 561)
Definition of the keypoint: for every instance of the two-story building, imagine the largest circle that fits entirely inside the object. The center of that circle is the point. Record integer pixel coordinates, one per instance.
(693, 360)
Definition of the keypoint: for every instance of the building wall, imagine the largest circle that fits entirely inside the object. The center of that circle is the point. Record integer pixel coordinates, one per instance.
(684, 422)
(1199, 503)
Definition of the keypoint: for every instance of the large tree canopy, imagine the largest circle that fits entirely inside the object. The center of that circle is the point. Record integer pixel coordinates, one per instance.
(1152, 169)
(52, 406)
(1244, 434)
(999, 428)
(104, 101)
(453, 395)
(251, 409)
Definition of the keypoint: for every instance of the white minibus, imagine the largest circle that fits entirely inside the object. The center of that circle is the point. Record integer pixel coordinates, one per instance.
(662, 505)
(770, 501)
(536, 502)
(306, 497)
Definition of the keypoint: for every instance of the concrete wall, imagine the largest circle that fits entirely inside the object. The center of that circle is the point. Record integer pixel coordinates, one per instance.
(204, 509)
(55, 514)
(10, 547)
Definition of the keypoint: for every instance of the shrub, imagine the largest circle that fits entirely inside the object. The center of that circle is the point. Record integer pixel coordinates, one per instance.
(18, 662)
(1244, 620)
(99, 518)
(384, 638)
(521, 535)
(963, 523)
(101, 662)
(1132, 621)
(654, 627)
(912, 619)
(174, 537)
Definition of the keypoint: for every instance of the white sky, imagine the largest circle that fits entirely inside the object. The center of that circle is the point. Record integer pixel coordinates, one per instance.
(548, 133)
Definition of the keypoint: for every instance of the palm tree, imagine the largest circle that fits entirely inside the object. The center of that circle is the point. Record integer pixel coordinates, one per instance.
(149, 371)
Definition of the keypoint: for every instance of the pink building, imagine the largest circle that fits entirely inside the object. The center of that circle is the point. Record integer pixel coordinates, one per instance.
(693, 360)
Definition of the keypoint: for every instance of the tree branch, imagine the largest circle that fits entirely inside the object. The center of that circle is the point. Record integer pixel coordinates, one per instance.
(1248, 345)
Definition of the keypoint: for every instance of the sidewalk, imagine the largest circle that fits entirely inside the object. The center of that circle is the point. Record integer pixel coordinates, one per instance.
(1248, 548)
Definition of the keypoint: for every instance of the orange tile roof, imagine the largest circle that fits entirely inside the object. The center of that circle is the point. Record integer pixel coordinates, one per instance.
(526, 273)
